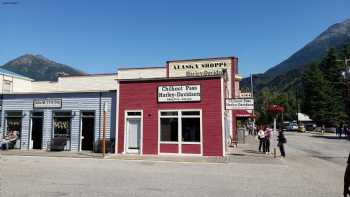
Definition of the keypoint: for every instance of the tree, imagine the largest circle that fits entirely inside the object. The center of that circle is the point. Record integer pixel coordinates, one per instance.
(315, 101)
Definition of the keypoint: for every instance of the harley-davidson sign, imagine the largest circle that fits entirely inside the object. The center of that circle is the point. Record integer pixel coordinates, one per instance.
(183, 93)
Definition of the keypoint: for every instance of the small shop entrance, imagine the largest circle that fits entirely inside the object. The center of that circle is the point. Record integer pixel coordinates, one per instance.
(13, 131)
(87, 130)
(37, 130)
(133, 131)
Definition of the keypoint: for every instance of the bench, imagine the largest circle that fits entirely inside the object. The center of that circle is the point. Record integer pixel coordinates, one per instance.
(57, 144)
(233, 142)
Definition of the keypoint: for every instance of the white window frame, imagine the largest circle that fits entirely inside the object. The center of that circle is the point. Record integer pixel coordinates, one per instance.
(179, 132)
(125, 129)
(7, 84)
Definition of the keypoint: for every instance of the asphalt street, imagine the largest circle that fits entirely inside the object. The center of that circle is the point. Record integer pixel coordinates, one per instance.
(314, 167)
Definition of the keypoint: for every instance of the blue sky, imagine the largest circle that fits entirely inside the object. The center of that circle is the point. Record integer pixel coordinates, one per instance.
(100, 36)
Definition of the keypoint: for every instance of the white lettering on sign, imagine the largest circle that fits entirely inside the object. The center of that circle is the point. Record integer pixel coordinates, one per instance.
(239, 103)
(185, 93)
(198, 68)
(47, 103)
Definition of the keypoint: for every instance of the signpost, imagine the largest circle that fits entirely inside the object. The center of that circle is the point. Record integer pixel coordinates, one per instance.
(239, 104)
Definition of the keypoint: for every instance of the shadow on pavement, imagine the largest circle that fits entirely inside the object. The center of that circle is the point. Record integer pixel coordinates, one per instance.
(330, 137)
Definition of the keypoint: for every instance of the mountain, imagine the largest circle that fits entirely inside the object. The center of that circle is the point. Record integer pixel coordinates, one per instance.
(40, 68)
(336, 36)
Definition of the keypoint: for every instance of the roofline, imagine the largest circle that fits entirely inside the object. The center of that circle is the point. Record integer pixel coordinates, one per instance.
(17, 76)
(136, 68)
(170, 78)
(199, 59)
(58, 92)
(88, 75)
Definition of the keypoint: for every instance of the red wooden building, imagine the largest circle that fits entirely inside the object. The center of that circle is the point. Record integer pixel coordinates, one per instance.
(179, 109)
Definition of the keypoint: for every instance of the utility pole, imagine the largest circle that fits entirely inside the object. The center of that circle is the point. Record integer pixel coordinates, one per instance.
(252, 92)
(297, 103)
(346, 75)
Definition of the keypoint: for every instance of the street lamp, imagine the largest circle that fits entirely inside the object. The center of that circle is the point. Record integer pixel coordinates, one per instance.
(275, 109)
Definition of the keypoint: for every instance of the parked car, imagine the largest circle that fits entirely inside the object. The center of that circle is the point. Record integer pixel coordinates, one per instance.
(284, 125)
(310, 127)
(301, 128)
(292, 127)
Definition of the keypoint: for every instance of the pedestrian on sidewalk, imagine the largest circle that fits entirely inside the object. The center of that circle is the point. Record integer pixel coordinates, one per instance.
(281, 141)
(338, 131)
(323, 129)
(261, 137)
(267, 140)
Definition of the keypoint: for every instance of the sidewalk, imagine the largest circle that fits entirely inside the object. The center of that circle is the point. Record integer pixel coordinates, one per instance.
(247, 153)
(249, 150)
(43, 153)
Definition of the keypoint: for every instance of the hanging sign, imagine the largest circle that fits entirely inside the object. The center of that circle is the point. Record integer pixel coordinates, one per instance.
(47, 103)
(239, 103)
(184, 93)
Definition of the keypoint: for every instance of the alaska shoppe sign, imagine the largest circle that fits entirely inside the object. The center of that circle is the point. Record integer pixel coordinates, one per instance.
(47, 103)
(198, 68)
(183, 93)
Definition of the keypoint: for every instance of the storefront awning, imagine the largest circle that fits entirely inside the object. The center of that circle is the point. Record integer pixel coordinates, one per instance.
(242, 113)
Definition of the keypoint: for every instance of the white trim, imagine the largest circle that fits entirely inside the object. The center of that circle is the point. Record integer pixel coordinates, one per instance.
(30, 145)
(223, 118)
(179, 132)
(183, 154)
(166, 142)
(81, 131)
(116, 137)
(125, 151)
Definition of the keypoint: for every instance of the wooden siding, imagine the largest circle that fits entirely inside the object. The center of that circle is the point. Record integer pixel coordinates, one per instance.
(143, 96)
(75, 102)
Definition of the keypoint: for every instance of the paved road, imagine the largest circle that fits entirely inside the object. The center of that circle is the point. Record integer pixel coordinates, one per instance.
(314, 167)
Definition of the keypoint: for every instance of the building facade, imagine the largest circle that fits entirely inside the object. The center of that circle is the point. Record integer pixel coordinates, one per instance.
(177, 109)
(76, 108)
(156, 120)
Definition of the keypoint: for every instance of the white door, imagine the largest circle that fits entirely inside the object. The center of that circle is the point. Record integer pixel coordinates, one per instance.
(133, 129)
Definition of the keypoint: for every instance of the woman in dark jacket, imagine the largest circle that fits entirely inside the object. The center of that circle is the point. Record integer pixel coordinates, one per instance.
(281, 141)
(347, 179)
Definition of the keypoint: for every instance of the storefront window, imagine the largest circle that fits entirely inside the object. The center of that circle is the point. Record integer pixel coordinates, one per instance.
(62, 124)
(187, 121)
(13, 128)
(169, 129)
(190, 129)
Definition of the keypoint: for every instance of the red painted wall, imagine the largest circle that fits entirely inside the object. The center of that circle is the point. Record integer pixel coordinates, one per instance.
(191, 148)
(169, 148)
(142, 95)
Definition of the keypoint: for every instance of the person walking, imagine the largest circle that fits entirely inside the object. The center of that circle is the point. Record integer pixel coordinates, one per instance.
(338, 131)
(281, 141)
(323, 129)
(261, 137)
(267, 140)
